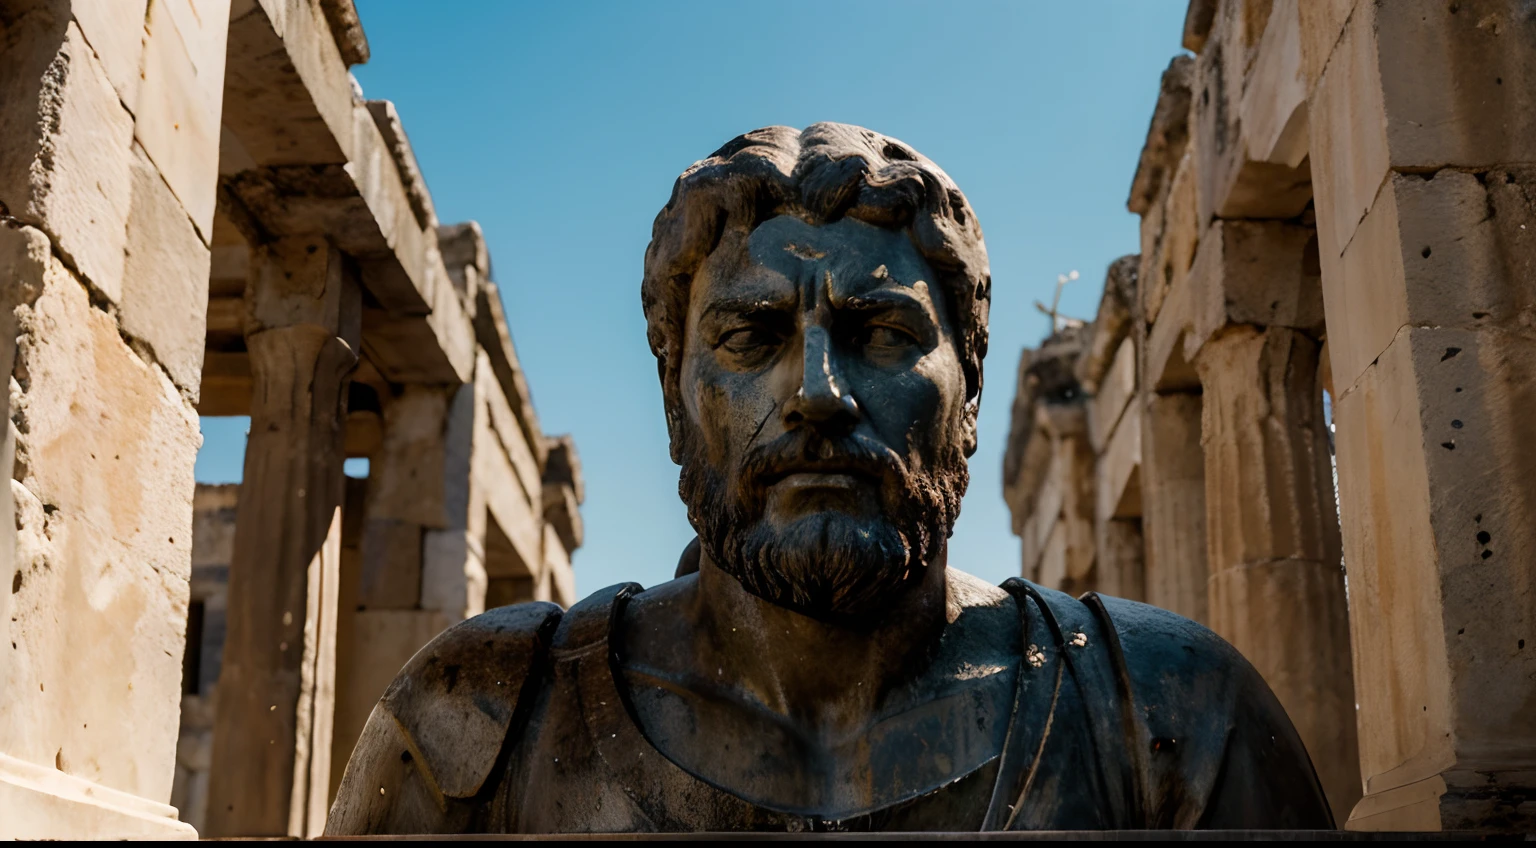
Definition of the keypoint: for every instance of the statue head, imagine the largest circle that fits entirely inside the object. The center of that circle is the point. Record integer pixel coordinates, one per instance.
(817, 304)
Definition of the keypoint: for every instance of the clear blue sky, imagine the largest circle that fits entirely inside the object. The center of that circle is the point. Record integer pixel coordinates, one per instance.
(560, 127)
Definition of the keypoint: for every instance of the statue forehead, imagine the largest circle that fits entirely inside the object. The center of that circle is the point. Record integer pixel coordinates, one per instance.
(788, 244)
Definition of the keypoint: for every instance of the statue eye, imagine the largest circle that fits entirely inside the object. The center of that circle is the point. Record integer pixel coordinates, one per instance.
(881, 335)
(748, 340)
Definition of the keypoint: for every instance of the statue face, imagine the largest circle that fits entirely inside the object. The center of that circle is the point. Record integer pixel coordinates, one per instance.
(823, 393)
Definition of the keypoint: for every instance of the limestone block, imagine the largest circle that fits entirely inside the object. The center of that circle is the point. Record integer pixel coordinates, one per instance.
(1437, 478)
(1269, 490)
(453, 574)
(1168, 243)
(1198, 18)
(1173, 504)
(1115, 391)
(562, 514)
(226, 384)
(287, 93)
(347, 30)
(1112, 323)
(1455, 249)
(1121, 560)
(562, 465)
(44, 803)
(115, 30)
(1164, 367)
(213, 524)
(1321, 23)
(393, 133)
(1251, 171)
(65, 164)
(1051, 570)
(165, 279)
(1166, 137)
(393, 193)
(408, 481)
(503, 429)
(391, 565)
(494, 337)
(1418, 86)
(1254, 272)
(1288, 618)
(176, 114)
(104, 488)
(462, 247)
(1117, 474)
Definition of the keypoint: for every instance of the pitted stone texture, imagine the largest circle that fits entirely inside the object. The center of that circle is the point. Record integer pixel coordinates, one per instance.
(64, 157)
(176, 114)
(165, 279)
(115, 30)
(104, 521)
(1437, 484)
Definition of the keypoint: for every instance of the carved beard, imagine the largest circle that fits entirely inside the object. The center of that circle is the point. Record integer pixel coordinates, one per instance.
(830, 564)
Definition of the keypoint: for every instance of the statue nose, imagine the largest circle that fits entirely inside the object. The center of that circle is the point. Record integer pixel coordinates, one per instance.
(822, 400)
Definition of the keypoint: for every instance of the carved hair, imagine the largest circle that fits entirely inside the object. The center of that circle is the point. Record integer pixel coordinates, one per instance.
(821, 174)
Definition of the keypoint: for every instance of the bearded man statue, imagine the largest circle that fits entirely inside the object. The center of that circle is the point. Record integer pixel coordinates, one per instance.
(817, 304)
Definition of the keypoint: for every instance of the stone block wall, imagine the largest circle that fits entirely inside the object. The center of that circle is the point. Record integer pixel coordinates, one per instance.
(1333, 197)
(107, 184)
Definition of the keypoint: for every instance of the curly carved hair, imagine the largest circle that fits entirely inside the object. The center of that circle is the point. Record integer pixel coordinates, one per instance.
(820, 174)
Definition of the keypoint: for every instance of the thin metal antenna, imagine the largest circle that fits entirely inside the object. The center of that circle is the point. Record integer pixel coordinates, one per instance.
(1057, 322)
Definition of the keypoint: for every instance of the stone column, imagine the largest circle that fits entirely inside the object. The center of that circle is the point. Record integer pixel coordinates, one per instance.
(1173, 503)
(1276, 588)
(1428, 241)
(272, 729)
(108, 171)
(409, 478)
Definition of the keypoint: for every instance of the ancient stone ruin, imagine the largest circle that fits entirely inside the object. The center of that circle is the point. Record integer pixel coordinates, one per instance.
(203, 216)
(1337, 198)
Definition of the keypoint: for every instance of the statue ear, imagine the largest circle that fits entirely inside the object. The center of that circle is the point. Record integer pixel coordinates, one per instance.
(968, 424)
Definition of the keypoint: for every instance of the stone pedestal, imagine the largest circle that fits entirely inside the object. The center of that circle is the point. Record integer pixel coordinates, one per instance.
(1276, 579)
(1428, 240)
(272, 732)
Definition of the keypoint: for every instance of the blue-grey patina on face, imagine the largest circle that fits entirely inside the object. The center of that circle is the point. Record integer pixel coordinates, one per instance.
(841, 328)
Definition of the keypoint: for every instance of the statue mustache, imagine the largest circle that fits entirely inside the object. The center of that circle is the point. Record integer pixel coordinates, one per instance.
(809, 452)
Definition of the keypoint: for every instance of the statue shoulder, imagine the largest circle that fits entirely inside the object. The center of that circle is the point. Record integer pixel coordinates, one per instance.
(1209, 715)
(454, 700)
(435, 736)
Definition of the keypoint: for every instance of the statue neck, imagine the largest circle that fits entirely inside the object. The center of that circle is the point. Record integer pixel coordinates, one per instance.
(825, 673)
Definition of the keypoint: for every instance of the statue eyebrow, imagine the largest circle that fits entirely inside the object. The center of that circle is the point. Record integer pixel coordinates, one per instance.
(887, 302)
(746, 306)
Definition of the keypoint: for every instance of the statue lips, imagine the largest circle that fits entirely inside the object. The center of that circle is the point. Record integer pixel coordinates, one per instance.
(821, 476)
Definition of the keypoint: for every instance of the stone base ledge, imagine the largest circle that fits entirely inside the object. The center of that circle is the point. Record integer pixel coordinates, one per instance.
(44, 803)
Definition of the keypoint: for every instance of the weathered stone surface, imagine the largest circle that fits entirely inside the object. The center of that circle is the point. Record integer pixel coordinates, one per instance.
(465, 256)
(491, 330)
(104, 488)
(1112, 324)
(1115, 390)
(1436, 485)
(1321, 23)
(1250, 118)
(288, 92)
(165, 279)
(1414, 87)
(1454, 249)
(1167, 137)
(1169, 238)
(177, 108)
(393, 132)
(1277, 583)
(45, 803)
(115, 30)
(1121, 559)
(1254, 272)
(272, 739)
(67, 171)
(1173, 504)
(1117, 480)
(347, 30)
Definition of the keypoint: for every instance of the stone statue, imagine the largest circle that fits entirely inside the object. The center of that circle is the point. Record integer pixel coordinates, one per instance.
(817, 303)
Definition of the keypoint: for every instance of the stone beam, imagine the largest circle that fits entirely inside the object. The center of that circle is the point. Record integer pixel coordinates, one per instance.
(1173, 503)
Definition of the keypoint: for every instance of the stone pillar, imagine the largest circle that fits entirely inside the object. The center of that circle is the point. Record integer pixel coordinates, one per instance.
(1428, 241)
(272, 728)
(108, 173)
(408, 484)
(1276, 580)
(1173, 503)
